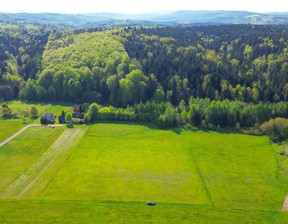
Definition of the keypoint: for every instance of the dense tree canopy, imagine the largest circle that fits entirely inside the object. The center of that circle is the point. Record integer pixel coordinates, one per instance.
(126, 66)
(243, 62)
(21, 49)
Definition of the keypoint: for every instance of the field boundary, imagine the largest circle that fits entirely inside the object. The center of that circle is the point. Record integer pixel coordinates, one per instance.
(202, 179)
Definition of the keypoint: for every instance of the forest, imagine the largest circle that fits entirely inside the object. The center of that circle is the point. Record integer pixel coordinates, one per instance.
(222, 75)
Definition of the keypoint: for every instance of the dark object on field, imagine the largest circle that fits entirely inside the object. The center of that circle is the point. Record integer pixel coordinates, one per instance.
(53, 127)
(151, 203)
(78, 115)
(61, 119)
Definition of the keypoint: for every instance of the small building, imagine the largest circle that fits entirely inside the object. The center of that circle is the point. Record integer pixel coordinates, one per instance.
(48, 118)
(78, 115)
(61, 119)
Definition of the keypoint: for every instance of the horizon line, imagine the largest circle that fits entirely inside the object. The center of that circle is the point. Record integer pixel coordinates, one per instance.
(140, 13)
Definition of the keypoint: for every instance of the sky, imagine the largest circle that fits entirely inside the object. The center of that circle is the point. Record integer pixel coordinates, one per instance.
(136, 6)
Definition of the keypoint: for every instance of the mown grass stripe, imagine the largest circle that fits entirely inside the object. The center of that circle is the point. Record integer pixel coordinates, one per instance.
(27, 179)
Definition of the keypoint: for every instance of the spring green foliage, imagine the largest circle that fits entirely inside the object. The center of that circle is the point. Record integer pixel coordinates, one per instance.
(33, 112)
(20, 56)
(126, 66)
(202, 177)
(240, 62)
(276, 128)
(199, 112)
(81, 68)
(68, 117)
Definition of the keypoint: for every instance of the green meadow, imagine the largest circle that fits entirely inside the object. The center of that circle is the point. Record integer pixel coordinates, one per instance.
(106, 172)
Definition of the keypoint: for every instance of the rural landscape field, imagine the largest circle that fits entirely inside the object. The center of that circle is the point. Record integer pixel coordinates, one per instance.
(131, 112)
(106, 172)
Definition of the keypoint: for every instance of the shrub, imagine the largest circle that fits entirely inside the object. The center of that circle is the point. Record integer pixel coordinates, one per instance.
(211, 127)
(274, 126)
(6, 112)
(4, 105)
(70, 125)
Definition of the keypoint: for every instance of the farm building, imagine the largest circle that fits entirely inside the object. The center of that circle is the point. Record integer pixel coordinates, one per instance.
(48, 118)
(78, 115)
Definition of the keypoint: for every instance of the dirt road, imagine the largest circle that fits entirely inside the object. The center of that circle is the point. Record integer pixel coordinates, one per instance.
(21, 130)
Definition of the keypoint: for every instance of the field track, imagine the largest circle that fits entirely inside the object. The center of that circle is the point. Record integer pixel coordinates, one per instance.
(20, 131)
(50, 161)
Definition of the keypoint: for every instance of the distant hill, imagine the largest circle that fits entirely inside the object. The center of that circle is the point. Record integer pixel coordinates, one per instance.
(169, 18)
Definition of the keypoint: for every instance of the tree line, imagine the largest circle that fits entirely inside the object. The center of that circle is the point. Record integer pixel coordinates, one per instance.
(199, 112)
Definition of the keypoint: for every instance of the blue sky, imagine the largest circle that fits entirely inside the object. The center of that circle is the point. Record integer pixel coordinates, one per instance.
(143, 6)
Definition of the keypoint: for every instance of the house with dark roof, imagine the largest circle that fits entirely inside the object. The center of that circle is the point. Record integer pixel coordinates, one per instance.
(48, 118)
(78, 115)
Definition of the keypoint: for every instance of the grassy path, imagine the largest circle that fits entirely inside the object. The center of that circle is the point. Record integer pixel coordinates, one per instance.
(56, 152)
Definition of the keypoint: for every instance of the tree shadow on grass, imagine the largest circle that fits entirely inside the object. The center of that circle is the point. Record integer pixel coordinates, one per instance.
(149, 125)
(176, 129)
(53, 103)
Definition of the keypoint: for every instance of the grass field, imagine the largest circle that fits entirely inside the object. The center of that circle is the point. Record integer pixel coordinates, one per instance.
(105, 173)
(9, 127)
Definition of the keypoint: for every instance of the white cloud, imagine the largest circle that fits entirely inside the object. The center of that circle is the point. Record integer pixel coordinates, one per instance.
(130, 6)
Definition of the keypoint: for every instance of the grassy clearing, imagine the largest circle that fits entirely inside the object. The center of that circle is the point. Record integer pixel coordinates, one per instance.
(116, 162)
(240, 171)
(136, 163)
(107, 175)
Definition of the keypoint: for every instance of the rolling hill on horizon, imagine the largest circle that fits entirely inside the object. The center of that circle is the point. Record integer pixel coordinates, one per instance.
(165, 18)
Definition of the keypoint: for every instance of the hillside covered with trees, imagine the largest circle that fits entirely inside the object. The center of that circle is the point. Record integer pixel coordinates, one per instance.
(21, 49)
(127, 66)
(224, 75)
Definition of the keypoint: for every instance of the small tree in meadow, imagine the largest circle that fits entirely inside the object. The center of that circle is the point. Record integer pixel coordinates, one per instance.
(68, 117)
(33, 112)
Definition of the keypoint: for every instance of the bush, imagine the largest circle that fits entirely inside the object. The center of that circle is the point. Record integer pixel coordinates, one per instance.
(93, 111)
(238, 126)
(4, 105)
(6, 112)
(274, 126)
(70, 125)
(211, 126)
